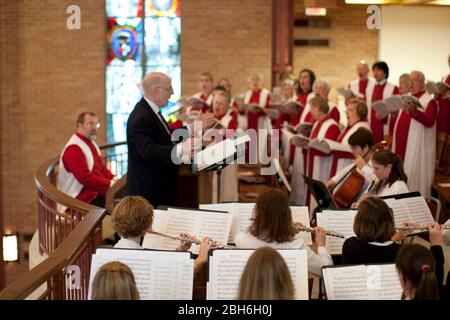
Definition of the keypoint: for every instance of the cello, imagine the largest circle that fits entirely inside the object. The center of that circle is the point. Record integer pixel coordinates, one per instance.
(353, 182)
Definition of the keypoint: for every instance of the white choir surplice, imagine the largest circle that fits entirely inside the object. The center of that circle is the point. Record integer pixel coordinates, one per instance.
(419, 161)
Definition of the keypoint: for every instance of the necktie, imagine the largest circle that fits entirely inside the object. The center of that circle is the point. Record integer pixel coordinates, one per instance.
(166, 125)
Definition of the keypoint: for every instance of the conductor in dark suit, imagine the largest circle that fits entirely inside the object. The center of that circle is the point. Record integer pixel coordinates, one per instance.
(152, 155)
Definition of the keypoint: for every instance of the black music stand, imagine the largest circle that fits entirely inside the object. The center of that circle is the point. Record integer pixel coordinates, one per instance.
(321, 194)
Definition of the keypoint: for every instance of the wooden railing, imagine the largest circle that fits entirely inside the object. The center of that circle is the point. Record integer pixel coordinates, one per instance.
(69, 232)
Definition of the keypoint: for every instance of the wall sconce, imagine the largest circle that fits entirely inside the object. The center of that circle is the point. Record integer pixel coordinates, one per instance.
(10, 247)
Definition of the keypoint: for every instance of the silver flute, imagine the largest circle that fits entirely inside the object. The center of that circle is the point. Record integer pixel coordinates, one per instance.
(195, 241)
(420, 227)
(328, 232)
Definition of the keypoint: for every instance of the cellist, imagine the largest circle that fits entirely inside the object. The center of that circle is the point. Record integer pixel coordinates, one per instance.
(362, 143)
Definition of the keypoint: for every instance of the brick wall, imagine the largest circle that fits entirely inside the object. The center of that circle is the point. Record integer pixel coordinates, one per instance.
(350, 41)
(233, 39)
(49, 75)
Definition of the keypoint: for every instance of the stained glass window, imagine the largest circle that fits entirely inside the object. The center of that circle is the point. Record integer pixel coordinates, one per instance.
(143, 36)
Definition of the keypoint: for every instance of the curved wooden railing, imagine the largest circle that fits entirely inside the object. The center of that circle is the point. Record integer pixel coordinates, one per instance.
(69, 232)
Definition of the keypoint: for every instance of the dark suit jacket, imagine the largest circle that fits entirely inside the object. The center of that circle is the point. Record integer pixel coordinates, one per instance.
(151, 172)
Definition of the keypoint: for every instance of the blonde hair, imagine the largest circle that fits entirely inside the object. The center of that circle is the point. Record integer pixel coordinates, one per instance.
(266, 277)
(114, 281)
(132, 216)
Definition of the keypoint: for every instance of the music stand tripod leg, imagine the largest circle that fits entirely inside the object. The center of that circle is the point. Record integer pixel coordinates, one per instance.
(219, 177)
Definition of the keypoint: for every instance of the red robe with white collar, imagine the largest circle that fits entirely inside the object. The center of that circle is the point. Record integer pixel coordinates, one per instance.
(318, 164)
(379, 91)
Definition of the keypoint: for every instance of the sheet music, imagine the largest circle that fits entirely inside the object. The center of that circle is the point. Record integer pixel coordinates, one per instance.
(414, 209)
(226, 267)
(215, 225)
(346, 283)
(226, 207)
(366, 282)
(243, 212)
(158, 275)
(391, 289)
(340, 221)
(301, 214)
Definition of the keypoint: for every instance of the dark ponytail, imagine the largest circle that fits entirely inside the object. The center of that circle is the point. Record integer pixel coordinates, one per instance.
(416, 264)
(385, 157)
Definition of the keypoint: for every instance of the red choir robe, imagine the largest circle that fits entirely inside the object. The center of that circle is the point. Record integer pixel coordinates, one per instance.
(258, 119)
(334, 112)
(302, 98)
(377, 92)
(260, 97)
(94, 182)
(443, 129)
(342, 159)
(414, 141)
(318, 164)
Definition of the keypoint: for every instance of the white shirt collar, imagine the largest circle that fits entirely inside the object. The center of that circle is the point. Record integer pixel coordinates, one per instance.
(381, 82)
(154, 107)
(127, 244)
(381, 244)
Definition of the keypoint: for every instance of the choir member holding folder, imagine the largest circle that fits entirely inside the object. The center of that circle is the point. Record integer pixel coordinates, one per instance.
(227, 120)
(132, 217)
(272, 226)
(256, 95)
(380, 90)
(356, 111)
(359, 87)
(414, 136)
(266, 277)
(318, 164)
